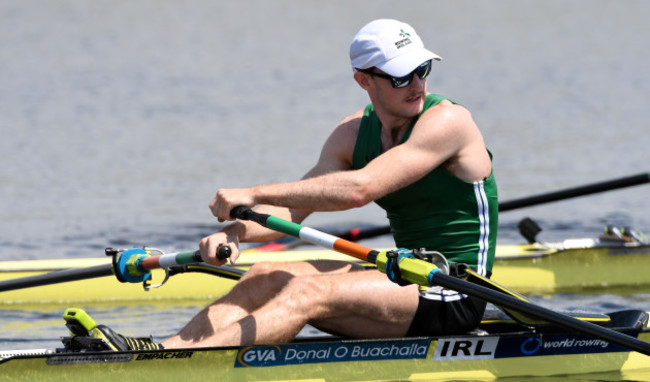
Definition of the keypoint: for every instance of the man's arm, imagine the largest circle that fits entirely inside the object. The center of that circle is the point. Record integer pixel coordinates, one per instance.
(444, 135)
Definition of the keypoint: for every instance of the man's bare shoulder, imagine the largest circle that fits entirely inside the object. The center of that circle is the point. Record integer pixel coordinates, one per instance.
(351, 123)
(345, 133)
(339, 146)
(447, 118)
(448, 109)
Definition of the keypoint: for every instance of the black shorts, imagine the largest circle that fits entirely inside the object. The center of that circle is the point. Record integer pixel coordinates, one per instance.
(435, 317)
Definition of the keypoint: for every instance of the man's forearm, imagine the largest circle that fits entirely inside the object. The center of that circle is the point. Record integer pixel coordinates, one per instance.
(332, 192)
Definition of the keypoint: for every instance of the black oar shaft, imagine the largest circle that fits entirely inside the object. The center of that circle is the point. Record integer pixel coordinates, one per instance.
(57, 277)
(575, 192)
(563, 320)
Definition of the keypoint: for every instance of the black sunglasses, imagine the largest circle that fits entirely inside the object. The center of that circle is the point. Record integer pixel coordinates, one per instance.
(399, 82)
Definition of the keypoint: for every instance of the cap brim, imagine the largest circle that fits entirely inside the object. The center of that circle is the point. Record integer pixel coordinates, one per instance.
(406, 63)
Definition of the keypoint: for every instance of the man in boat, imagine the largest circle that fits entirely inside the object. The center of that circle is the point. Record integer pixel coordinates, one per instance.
(421, 157)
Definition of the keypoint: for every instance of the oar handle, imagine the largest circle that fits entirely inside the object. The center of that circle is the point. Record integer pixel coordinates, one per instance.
(223, 253)
(245, 213)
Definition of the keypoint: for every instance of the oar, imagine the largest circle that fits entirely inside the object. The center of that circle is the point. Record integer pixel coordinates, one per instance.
(358, 233)
(423, 273)
(568, 193)
(134, 267)
(55, 277)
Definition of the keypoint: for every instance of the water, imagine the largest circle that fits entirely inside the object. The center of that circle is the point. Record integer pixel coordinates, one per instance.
(119, 121)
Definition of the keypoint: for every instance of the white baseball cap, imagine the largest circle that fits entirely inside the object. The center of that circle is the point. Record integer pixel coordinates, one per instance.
(391, 46)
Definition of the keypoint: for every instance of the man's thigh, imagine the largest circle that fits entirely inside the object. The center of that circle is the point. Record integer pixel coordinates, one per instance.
(366, 304)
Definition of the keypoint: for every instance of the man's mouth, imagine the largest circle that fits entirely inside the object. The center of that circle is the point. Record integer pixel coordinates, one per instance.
(414, 98)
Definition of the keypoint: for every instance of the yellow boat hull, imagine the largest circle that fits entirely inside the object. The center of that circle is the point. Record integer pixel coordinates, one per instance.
(416, 359)
(536, 269)
(528, 269)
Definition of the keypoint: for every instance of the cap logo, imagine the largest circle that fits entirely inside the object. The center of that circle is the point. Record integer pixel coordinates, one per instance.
(406, 39)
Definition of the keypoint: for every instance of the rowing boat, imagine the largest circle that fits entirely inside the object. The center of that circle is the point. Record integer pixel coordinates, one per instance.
(569, 266)
(529, 341)
(499, 348)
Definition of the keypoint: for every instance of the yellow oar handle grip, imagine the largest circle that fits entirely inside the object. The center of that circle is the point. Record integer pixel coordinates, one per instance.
(414, 270)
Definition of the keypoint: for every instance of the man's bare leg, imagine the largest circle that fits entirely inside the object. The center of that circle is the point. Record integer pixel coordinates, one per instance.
(358, 304)
(258, 286)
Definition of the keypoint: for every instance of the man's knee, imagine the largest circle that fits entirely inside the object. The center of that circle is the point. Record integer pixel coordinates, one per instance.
(267, 276)
(261, 268)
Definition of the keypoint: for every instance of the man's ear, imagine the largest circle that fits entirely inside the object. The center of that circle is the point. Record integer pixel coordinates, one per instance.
(362, 79)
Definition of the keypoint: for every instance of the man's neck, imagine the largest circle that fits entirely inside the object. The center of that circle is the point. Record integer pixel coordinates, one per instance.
(392, 135)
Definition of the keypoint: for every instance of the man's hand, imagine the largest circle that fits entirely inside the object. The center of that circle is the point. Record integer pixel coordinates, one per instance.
(227, 199)
(209, 247)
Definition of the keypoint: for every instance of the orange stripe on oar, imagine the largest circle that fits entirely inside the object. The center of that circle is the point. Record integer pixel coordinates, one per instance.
(352, 249)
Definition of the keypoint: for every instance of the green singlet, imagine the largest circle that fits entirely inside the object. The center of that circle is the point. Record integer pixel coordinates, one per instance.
(439, 212)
